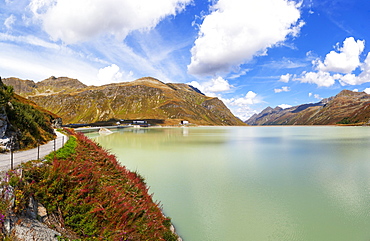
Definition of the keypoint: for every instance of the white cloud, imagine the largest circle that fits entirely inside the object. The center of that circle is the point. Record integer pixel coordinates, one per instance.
(367, 91)
(237, 30)
(78, 20)
(284, 106)
(321, 79)
(10, 21)
(316, 96)
(348, 79)
(363, 77)
(285, 78)
(197, 85)
(365, 67)
(32, 40)
(241, 107)
(244, 113)
(219, 85)
(283, 89)
(28, 65)
(347, 60)
(238, 74)
(249, 99)
(339, 66)
(112, 74)
(215, 85)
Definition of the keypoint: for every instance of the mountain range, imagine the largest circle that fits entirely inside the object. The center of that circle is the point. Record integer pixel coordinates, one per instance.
(347, 107)
(145, 98)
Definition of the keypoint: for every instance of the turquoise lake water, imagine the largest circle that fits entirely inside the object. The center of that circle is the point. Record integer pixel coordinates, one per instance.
(254, 183)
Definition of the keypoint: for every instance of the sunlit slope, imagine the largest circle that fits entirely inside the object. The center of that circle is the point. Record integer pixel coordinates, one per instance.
(145, 98)
(347, 107)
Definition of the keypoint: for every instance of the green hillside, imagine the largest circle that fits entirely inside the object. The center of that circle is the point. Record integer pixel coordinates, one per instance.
(22, 122)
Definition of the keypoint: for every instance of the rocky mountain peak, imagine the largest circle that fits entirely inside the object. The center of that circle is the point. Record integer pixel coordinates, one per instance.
(347, 107)
(61, 82)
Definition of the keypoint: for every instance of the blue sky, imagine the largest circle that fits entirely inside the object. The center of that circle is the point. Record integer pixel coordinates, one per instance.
(250, 54)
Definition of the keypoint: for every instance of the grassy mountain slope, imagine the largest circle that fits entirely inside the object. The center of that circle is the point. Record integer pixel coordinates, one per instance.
(145, 98)
(23, 121)
(347, 107)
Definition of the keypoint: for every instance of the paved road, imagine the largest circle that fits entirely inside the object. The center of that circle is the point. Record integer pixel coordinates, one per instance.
(33, 154)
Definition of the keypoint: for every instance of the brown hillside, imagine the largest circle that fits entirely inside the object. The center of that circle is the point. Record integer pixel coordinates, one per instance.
(46, 87)
(347, 107)
(145, 98)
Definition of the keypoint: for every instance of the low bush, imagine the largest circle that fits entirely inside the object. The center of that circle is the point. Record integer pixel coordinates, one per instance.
(97, 197)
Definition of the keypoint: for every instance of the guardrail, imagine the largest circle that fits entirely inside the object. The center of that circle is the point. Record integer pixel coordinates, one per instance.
(13, 158)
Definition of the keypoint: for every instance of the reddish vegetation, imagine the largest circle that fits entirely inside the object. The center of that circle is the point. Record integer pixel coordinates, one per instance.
(97, 197)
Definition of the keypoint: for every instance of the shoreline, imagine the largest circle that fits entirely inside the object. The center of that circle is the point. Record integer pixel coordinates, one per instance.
(99, 166)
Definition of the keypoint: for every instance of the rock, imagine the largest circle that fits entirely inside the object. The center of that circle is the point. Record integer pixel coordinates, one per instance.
(32, 209)
(4, 140)
(105, 131)
(3, 125)
(27, 226)
(32, 229)
(173, 230)
(42, 213)
(57, 123)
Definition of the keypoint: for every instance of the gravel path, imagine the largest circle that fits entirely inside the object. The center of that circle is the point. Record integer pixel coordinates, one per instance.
(32, 154)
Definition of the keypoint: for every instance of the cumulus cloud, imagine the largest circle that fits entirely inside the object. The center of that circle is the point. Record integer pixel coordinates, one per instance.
(10, 21)
(284, 106)
(353, 79)
(365, 67)
(237, 30)
(346, 59)
(219, 85)
(112, 74)
(321, 78)
(340, 65)
(285, 78)
(215, 85)
(197, 85)
(249, 99)
(283, 89)
(78, 20)
(367, 91)
(241, 107)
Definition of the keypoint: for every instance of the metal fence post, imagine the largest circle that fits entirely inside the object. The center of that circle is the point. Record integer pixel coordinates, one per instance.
(38, 149)
(11, 144)
(11, 157)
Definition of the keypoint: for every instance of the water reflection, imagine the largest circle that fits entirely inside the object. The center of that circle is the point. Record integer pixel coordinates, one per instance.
(255, 183)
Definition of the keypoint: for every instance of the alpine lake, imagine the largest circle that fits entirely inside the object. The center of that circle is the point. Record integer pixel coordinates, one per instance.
(254, 183)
